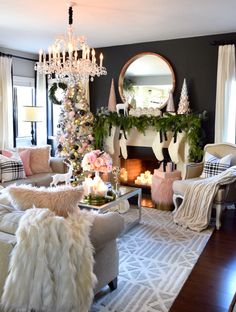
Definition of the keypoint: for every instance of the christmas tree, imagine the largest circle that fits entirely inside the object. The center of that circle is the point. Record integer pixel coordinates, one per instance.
(75, 128)
(183, 107)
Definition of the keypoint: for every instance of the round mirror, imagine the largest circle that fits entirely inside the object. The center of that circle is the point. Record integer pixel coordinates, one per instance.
(146, 81)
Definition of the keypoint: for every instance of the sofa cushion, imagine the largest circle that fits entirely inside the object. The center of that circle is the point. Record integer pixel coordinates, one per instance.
(61, 200)
(214, 165)
(11, 169)
(9, 220)
(39, 158)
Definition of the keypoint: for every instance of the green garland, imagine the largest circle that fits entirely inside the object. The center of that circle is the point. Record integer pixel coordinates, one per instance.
(52, 92)
(190, 123)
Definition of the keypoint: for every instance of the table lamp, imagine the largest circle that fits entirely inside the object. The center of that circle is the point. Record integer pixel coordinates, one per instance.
(33, 114)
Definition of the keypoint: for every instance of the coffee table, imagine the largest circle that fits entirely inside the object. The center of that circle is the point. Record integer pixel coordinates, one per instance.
(132, 216)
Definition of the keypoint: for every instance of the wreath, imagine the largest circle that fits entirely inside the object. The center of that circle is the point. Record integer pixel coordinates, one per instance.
(52, 92)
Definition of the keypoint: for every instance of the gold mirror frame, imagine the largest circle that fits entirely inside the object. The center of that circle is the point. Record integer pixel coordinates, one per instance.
(134, 58)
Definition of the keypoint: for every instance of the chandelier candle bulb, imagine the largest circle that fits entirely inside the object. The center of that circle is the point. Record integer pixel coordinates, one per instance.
(49, 54)
(88, 53)
(40, 55)
(93, 56)
(101, 59)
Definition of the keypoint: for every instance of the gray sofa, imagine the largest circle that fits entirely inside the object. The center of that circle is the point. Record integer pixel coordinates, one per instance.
(106, 228)
(42, 179)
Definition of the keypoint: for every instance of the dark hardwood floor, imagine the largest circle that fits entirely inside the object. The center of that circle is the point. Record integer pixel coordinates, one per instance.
(212, 283)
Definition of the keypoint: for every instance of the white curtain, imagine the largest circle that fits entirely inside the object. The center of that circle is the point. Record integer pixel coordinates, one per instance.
(225, 118)
(6, 106)
(41, 96)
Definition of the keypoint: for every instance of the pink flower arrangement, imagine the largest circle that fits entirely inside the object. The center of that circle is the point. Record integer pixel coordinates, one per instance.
(97, 161)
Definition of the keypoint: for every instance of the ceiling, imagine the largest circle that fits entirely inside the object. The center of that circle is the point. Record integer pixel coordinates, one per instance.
(29, 25)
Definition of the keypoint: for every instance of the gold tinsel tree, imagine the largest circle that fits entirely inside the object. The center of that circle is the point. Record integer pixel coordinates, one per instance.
(75, 129)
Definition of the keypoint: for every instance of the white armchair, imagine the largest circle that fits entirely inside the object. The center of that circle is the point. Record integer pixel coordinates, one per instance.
(225, 196)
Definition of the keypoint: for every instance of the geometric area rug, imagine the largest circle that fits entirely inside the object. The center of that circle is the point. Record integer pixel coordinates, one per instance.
(156, 258)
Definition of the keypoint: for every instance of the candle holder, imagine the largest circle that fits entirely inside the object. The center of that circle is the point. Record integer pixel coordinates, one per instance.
(116, 176)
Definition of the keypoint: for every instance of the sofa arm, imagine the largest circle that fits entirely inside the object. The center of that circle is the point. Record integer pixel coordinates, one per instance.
(106, 227)
(192, 170)
(57, 164)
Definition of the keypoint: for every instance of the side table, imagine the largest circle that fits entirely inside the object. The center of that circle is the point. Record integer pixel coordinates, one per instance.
(161, 189)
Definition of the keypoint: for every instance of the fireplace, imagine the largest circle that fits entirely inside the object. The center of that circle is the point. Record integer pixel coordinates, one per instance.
(137, 169)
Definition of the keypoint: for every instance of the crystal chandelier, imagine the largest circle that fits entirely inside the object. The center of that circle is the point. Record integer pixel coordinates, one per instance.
(70, 57)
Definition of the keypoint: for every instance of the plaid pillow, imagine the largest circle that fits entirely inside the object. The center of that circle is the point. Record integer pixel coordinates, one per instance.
(214, 165)
(11, 169)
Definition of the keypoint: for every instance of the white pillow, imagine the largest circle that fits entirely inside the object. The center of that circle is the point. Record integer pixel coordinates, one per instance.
(214, 165)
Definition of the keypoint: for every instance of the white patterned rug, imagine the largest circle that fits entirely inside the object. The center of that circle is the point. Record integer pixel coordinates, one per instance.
(156, 257)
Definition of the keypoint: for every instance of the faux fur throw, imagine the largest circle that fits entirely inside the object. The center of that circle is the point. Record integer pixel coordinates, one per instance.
(51, 266)
(195, 210)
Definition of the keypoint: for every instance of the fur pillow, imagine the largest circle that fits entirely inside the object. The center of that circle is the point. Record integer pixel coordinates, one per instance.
(61, 200)
(39, 158)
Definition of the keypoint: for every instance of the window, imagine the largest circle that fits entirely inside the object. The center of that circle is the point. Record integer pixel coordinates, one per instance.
(23, 95)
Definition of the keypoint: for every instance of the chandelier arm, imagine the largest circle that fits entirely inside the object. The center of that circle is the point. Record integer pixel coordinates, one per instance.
(70, 15)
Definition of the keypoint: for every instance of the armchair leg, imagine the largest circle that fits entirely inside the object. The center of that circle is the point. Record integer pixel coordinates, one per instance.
(177, 199)
(218, 216)
(113, 284)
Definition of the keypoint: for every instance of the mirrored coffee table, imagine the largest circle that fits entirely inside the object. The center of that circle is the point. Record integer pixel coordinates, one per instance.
(132, 216)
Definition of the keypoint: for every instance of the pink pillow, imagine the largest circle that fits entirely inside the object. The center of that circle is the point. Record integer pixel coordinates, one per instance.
(7, 153)
(39, 158)
(25, 158)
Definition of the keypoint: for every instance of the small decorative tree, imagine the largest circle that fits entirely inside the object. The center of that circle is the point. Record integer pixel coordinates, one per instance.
(170, 103)
(75, 129)
(112, 98)
(183, 107)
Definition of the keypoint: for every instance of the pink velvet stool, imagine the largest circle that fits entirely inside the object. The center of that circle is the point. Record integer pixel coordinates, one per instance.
(161, 189)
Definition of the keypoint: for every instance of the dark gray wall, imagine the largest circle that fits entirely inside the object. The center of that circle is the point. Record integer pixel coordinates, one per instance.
(192, 58)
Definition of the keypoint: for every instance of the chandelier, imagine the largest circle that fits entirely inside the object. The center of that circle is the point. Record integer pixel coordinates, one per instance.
(70, 57)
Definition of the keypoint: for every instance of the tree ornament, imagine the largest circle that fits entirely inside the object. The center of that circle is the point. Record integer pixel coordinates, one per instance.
(183, 107)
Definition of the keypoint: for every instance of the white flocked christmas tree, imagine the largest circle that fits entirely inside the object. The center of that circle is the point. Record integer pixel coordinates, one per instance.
(183, 107)
(75, 128)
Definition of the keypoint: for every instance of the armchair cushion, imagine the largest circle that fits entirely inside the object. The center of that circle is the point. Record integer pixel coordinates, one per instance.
(180, 186)
(214, 165)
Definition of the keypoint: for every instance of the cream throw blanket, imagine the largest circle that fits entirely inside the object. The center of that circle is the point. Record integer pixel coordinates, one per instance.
(51, 266)
(195, 211)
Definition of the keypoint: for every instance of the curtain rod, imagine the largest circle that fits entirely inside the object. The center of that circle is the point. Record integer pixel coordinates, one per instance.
(222, 42)
(19, 57)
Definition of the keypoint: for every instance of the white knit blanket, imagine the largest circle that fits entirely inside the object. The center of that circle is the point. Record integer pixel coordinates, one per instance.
(195, 211)
(51, 266)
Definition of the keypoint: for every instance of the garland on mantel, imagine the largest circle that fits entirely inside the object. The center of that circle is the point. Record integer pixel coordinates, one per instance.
(190, 123)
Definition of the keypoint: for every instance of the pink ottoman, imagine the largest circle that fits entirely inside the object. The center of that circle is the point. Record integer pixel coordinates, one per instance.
(161, 189)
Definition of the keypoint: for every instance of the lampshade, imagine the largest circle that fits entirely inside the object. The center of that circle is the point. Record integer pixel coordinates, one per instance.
(33, 113)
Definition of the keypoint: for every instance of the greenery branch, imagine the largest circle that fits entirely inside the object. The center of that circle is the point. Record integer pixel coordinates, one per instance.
(190, 123)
